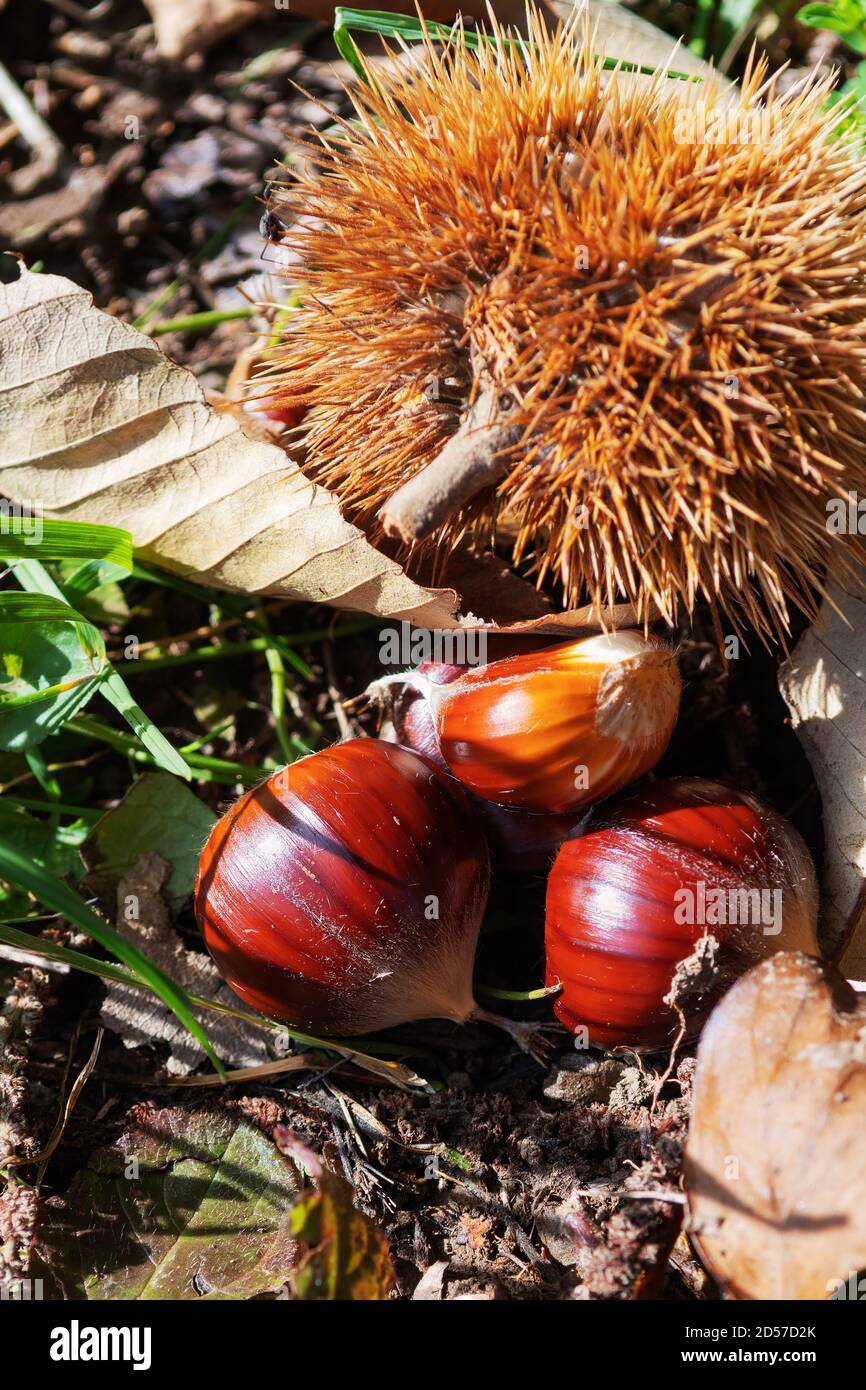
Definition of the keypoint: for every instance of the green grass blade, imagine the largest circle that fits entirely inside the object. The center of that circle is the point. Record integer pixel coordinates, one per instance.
(104, 970)
(52, 892)
(705, 11)
(36, 761)
(60, 808)
(44, 610)
(198, 323)
(64, 955)
(36, 580)
(115, 690)
(346, 46)
(410, 29)
(211, 769)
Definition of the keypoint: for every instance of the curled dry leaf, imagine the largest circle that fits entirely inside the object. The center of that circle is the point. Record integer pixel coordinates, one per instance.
(824, 685)
(774, 1163)
(98, 425)
(431, 1286)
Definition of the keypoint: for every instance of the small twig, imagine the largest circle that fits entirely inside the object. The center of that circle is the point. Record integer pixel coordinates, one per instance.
(71, 1102)
(474, 458)
(38, 134)
(677, 1199)
(347, 1116)
(164, 644)
(337, 703)
(9, 133)
(343, 1151)
(63, 1119)
(303, 1061)
(31, 959)
(666, 1075)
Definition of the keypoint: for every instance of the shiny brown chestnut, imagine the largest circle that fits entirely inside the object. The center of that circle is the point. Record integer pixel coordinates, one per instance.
(520, 842)
(630, 895)
(554, 730)
(345, 893)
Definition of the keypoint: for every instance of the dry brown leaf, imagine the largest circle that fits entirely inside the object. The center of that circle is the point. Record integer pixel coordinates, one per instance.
(25, 220)
(824, 685)
(774, 1163)
(140, 1017)
(97, 424)
(621, 34)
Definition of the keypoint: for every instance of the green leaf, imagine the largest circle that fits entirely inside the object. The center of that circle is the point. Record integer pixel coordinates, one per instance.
(51, 659)
(115, 690)
(345, 1255)
(32, 537)
(844, 17)
(51, 652)
(159, 814)
(18, 869)
(38, 765)
(41, 841)
(183, 1206)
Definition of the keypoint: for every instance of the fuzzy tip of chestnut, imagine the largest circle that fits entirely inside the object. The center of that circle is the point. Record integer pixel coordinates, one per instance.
(644, 882)
(345, 893)
(552, 731)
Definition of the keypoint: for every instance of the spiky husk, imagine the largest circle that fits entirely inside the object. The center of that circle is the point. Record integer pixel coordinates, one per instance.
(677, 324)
